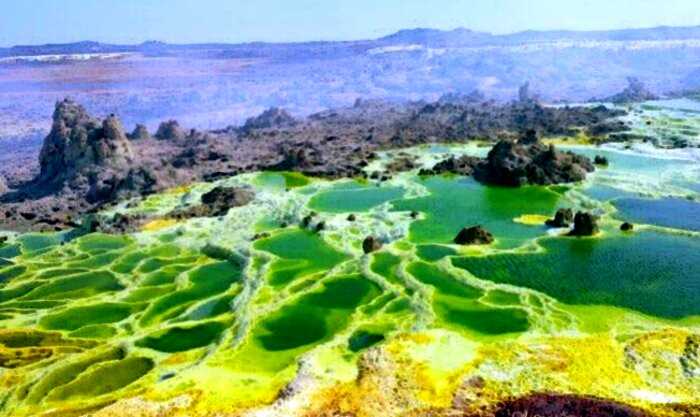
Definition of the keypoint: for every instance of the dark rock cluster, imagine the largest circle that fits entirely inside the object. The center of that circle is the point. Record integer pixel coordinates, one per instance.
(462, 165)
(271, 118)
(140, 132)
(475, 235)
(557, 405)
(216, 202)
(78, 143)
(600, 160)
(562, 218)
(170, 130)
(585, 224)
(87, 163)
(635, 92)
(531, 162)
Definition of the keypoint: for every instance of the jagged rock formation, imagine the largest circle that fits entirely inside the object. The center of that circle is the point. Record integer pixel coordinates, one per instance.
(585, 224)
(87, 163)
(271, 118)
(475, 235)
(635, 92)
(525, 95)
(79, 145)
(463, 165)
(170, 130)
(524, 162)
(562, 218)
(217, 202)
(140, 133)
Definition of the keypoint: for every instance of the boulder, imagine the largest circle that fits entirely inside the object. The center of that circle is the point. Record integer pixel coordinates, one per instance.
(217, 202)
(585, 224)
(525, 162)
(626, 227)
(600, 160)
(371, 244)
(351, 218)
(562, 218)
(170, 130)
(475, 235)
(140, 133)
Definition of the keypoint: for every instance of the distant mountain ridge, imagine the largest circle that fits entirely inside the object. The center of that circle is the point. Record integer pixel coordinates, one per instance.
(460, 37)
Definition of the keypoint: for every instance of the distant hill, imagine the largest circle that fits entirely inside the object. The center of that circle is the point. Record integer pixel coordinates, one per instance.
(420, 36)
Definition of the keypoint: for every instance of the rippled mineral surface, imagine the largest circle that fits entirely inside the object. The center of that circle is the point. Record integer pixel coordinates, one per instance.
(254, 314)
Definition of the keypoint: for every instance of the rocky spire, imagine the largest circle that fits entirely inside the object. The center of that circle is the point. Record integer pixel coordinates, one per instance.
(78, 142)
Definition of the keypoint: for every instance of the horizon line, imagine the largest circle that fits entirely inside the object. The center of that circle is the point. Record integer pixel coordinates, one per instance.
(395, 32)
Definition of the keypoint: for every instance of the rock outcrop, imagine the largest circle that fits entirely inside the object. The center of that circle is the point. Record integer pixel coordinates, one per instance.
(3, 185)
(170, 130)
(217, 202)
(635, 92)
(271, 118)
(531, 162)
(371, 244)
(462, 165)
(140, 133)
(557, 405)
(562, 218)
(585, 224)
(600, 160)
(79, 145)
(475, 235)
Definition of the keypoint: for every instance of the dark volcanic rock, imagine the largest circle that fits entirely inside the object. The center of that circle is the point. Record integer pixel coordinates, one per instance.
(526, 162)
(585, 224)
(562, 218)
(170, 130)
(558, 405)
(600, 160)
(217, 202)
(140, 133)
(474, 97)
(271, 118)
(626, 227)
(401, 163)
(87, 163)
(79, 143)
(371, 244)
(475, 235)
(635, 92)
(463, 165)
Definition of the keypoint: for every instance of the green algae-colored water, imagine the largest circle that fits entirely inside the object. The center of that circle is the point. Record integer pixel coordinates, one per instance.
(112, 315)
(454, 203)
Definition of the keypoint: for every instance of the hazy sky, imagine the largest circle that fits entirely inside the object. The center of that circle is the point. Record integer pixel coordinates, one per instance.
(132, 21)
